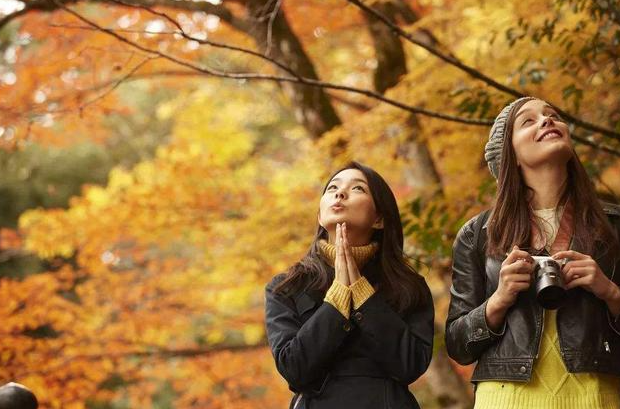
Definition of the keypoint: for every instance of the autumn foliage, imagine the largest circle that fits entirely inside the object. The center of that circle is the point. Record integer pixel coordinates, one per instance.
(149, 290)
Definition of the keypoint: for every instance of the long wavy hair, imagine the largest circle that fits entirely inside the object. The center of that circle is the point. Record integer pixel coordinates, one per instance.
(512, 216)
(398, 281)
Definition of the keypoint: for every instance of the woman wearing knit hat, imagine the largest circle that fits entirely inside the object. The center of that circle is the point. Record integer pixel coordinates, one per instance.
(351, 324)
(528, 356)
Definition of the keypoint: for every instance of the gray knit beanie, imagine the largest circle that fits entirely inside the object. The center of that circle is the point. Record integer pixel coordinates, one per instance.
(495, 145)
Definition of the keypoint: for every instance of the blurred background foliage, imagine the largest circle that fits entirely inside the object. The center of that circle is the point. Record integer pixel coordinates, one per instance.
(152, 181)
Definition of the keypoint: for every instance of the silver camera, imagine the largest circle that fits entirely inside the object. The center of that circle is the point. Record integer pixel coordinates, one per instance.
(550, 289)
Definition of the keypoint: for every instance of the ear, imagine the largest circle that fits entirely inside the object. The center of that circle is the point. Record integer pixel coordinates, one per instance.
(318, 218)
(378, 223)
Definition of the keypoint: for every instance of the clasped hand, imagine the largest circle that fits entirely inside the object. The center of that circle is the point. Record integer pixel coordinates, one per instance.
(346, 270)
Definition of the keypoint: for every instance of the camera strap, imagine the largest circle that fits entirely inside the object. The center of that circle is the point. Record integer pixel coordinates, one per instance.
(565, 231)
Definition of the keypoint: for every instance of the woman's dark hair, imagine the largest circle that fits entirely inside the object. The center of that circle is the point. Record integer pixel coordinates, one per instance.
(511, 218)
(401, 285)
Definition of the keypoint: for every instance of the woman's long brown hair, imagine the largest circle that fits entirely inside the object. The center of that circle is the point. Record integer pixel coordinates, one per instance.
(401, 285)
(511, 218)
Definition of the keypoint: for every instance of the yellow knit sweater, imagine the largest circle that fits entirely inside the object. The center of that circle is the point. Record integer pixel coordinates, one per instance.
(340, 295)
(551, 386)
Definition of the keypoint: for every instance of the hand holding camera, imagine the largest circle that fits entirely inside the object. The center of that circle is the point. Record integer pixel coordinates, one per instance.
(553, 276)
(515, 276)
(583, 271)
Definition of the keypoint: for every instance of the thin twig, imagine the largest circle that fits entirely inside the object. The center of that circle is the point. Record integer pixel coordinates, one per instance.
(118, 82)
(272, 18)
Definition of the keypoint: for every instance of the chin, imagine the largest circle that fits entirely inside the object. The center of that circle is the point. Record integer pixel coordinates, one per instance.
(559, 151)
(332, 221)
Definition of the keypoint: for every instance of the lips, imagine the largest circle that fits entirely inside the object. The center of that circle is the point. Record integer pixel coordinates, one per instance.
(337, 206)
(549, 134)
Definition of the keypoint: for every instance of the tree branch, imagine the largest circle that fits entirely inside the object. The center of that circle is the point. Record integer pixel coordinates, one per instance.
(277, 78)
(452, 60)
(215, 44)
(300, 80)
(209, 8)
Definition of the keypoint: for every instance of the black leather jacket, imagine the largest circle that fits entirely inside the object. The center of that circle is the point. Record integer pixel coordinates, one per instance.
(589, 337)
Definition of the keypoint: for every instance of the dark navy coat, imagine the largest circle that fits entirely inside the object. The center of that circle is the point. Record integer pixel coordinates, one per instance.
(365, 362)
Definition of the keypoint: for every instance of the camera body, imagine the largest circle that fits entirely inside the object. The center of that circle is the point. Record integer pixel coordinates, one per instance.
(550, 288)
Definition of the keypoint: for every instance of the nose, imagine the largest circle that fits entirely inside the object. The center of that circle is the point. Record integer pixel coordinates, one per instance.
(340, 194)
(547, 121)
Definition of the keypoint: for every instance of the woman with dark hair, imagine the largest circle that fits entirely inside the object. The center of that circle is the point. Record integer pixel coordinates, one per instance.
(351, 324)
(566, 355)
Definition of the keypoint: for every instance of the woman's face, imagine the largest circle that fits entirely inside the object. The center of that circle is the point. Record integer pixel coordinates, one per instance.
(348, 199)
(539, 136)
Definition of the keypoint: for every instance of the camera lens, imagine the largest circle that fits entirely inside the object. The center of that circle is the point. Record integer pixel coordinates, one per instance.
(550, 291)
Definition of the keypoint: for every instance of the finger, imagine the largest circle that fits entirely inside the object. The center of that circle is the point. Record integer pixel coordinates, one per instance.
(351, 266)
(340, 237)
(519, 266)
(510, 256)
(517, 254)
(580, 263)
(345, 243)
(571, 254)
(339, 264)
(577, 272)
(338, 234)
(518, 287)
(519, 278)
(579, 282)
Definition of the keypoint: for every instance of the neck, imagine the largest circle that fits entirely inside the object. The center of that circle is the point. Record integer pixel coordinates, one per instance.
(355, 237)
(548, 184)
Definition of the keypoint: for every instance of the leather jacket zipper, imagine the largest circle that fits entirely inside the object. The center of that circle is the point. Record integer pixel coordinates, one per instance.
(542, 328)
(298, 400)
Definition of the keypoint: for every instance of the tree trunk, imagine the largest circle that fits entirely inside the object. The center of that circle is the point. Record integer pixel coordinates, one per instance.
(391, 66)
(421, 174)
(273, 36)
(389, 52)
(449, 389)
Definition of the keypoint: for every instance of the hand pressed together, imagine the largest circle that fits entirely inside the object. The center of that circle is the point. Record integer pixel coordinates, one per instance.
(347, 272)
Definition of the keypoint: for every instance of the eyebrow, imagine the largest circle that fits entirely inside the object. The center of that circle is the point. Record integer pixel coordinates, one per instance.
(546, 106)
(340, 180)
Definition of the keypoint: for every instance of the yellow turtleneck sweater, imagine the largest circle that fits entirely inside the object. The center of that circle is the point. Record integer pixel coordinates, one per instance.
(340, 295)
(551, 386)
